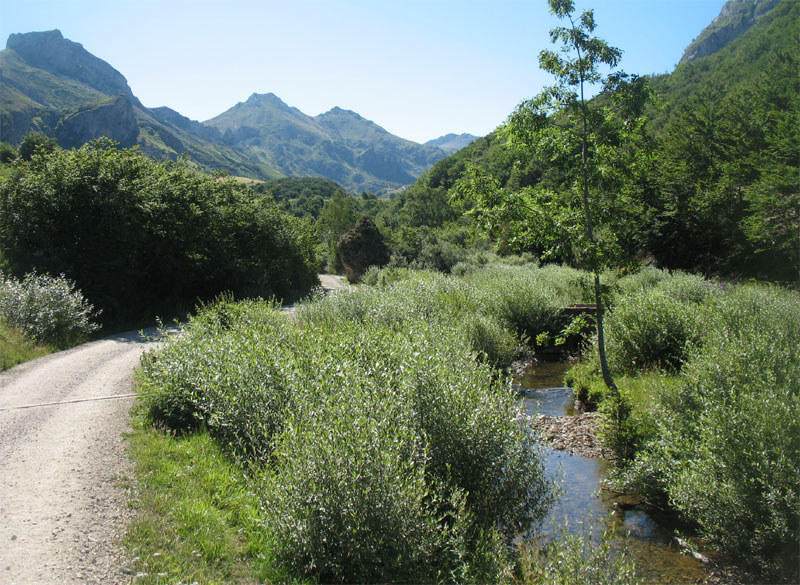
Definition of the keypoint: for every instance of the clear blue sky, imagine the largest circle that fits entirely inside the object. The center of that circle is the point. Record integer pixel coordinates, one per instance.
(419, 68)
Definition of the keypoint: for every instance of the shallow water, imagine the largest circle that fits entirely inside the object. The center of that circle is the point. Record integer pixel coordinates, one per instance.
(584, 506)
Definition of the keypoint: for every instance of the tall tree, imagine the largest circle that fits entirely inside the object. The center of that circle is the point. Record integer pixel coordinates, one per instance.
(595, 148)
(561, 122)
(338, 215)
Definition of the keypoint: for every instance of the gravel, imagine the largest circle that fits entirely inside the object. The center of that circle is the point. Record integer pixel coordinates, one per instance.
(577, 435)
(63, 466)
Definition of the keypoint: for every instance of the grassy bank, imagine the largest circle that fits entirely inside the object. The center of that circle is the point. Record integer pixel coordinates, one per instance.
(371, 438)
(196, 520)
(15, 348)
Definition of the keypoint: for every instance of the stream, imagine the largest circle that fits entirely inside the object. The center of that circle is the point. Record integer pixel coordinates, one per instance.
(586, 506)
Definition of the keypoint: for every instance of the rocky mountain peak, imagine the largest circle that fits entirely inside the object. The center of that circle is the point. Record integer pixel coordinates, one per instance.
(50, 51)
(270, 98)
(735, 18)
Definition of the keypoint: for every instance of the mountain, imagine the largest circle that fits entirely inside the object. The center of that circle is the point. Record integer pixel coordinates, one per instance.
(52, 85)
(339, 144)
(720, 191)
(451, 143)
(735, 18)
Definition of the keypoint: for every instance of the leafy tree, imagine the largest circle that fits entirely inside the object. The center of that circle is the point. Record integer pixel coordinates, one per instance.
(7, 152)
(34, 141)
(300, 196)
(141, 238)
(584, 198)
(338, 215)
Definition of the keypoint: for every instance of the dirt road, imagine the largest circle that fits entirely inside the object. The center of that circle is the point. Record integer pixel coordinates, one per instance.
(62, 463)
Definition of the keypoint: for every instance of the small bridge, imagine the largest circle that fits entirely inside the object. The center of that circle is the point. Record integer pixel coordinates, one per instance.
(579, 309)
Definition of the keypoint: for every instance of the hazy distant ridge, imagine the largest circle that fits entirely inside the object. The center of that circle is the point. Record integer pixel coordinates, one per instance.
(451, 143)
(52, 85)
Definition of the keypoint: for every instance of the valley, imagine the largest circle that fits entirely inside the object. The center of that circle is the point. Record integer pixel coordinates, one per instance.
(642, 230)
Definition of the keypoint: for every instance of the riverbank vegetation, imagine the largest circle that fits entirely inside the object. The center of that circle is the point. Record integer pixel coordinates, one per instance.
(383, 410)
(706, 423)
(379, 440)
(380, 449)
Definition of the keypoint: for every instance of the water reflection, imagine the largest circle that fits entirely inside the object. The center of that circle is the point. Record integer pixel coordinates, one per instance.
(584, 506)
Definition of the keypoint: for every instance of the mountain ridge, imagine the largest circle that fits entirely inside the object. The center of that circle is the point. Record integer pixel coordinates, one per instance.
(734, 19)
(52, 85)
(339, 144)
(451, 143)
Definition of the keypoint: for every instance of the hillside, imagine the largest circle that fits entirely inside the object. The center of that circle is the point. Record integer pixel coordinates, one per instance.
(750, 57)
(719, 191)
(735, 18)
(339, 144)
(52, 85)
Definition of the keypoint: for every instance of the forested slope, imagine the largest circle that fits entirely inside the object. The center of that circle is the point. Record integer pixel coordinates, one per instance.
(716, 187)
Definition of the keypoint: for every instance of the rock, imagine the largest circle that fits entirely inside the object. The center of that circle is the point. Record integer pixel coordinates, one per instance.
(50, 51)
(735, 19)
(113, 118)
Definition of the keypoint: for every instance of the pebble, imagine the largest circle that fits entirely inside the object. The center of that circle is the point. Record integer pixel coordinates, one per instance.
(577, 435)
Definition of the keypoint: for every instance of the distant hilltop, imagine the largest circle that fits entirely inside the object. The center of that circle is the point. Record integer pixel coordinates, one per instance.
(52, 85)
(451, 143)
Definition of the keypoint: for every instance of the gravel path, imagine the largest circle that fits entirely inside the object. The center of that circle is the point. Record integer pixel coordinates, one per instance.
(329, 283)
(63, 466)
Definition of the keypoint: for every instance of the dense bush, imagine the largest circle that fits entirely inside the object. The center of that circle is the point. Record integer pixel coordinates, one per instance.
(651, 330)
(140, 237)
(386, 451)
(406, 295)
(47, 309)
(362, 247)
(231, 372)
(705, 419)
(727, 436)
(527, 298)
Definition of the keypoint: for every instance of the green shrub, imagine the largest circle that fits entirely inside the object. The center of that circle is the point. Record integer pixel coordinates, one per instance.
(728, 437)
(651, 330)
(7, 153)
(227, 371)
(645, 279)
(438, 254)
(47, 309)
(577, 559)
(487, 336)
(377, 276)
(386, 451)
(351, 502)
(141, 238)
(629, 421)
(528, 299)
(688, 288)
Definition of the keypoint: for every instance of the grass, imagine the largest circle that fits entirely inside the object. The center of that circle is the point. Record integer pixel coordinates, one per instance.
(362, 433)
(15, 348)
(196, 518)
